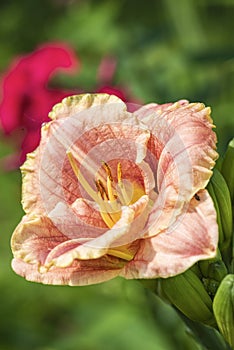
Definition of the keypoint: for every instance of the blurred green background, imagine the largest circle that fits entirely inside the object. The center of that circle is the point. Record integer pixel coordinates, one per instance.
(165, 50)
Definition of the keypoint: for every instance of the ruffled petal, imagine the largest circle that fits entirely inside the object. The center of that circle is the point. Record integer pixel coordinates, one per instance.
(64, 254)
(192, 238)
(184, 148)
(34, 238)
(80, 273)
(185, 131)
(74, 104)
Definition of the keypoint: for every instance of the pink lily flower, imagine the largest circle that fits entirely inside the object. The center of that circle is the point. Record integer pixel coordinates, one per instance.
(111, 193)
(26, 99)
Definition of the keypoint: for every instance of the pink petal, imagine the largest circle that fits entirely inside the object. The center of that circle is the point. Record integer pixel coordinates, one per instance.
(35, 238)
(64, 254)
(79, 274)
(74, 104)
(81, 219)
(182, 151)
(185, 132)
(193, 237)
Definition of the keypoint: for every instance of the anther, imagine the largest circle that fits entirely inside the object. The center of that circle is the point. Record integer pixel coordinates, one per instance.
(108, 170)
(101, 189)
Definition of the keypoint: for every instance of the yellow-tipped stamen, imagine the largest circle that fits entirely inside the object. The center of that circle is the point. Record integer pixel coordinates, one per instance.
(81, 178)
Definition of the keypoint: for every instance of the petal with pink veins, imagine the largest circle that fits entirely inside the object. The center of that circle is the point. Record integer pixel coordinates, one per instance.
(193, 237)
(80, 273)
(187, 154)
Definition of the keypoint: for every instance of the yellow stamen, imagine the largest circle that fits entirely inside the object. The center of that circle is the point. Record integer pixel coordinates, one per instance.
(110, 189)
(125, 199)
(121, 252)
(119, 172)
(81, 178)
(108, 199)
(125, 196)
(102, 190)
(108, 171)
(104, 212)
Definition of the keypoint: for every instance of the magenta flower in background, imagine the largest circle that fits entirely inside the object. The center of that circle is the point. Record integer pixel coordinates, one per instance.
(26, 97)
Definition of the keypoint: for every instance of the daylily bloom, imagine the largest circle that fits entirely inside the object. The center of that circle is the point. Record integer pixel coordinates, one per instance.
(26, 99)
(111, 193)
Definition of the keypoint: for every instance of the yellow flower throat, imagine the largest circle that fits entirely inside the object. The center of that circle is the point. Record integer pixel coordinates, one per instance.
(108, 195)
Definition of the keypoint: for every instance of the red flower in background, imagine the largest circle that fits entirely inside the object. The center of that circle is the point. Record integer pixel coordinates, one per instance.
(26, 98)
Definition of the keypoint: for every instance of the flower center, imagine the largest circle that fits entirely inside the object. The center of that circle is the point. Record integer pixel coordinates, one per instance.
(110, 195)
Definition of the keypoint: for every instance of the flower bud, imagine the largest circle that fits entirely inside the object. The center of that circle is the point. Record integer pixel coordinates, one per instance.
(187, 293)
(228, 168)
(217, 270)
(220, 194)
(204, 264)
(213, 271)
(223, 307)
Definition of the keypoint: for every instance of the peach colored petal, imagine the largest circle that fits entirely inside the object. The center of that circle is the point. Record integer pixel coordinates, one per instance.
(79, 274)
(74, 104)
(193, 237)
(81, 219)
(185, 129)
(128, 229)
(64, 254)
(34, 238)
(31, 198)
(187, 155)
